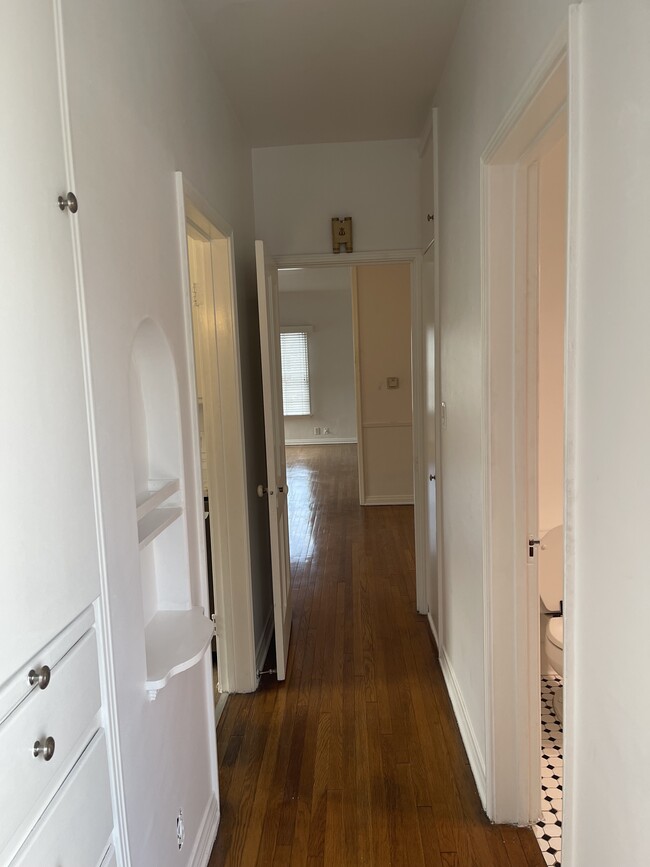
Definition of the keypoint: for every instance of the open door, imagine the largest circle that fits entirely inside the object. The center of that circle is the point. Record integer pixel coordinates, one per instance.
(276, 462)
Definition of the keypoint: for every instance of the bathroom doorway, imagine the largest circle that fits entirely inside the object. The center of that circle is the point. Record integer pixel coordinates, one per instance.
(527, 420)
(544, 172)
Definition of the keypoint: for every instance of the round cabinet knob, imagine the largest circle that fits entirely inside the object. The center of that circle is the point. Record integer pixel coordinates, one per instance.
(46, 749)
(70, 202)
(40, 677)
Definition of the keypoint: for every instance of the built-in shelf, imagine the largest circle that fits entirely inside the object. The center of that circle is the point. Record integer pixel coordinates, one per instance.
(175, 641)
(158, 491)
(155, 522)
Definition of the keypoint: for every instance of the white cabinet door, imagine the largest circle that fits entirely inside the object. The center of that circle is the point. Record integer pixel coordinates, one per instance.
(48, 543)
(276, 462)
(427, 215)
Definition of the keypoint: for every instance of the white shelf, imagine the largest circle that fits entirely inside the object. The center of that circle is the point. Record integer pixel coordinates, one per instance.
(159, 490)
(154, 523)
(175, 641)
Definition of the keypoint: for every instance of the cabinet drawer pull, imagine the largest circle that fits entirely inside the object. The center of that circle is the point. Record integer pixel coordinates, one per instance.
(46, 749)
(42, 677)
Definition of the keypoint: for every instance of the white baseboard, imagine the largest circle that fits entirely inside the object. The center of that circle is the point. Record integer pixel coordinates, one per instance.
(395, 500)
(434, 631)
(476, 760)
(207, 835)
(320, 441)
(264, 642)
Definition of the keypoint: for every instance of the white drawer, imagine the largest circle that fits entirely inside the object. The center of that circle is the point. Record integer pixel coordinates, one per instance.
(65, 710)
(76, 827)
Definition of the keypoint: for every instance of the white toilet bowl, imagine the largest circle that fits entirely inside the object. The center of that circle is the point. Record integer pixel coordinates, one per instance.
(555, 655)
(551, 589)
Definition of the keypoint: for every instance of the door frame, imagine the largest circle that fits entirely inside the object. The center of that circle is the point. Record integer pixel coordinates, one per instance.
(231, 557)
(414, 259)
(511, 598)
(431, 260)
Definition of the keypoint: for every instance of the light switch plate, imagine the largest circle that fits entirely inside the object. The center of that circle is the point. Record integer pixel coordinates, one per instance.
(392, 382)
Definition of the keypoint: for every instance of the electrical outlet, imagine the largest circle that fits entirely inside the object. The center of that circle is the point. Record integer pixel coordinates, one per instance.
(326, 430)
(317, 431)
(180, 829)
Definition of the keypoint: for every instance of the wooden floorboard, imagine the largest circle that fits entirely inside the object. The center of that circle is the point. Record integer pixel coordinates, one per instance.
(356, 759)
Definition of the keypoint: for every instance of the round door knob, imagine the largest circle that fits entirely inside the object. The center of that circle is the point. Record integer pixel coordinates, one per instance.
(432, 478)
(70, 202)
(40, 677)
(429, 218)
(46, 749)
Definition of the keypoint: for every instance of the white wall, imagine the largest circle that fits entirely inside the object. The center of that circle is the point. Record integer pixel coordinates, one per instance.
(331, 363)
(144, 103)
(552, 295)
(496, 47)
(610, 701)
(298, 190)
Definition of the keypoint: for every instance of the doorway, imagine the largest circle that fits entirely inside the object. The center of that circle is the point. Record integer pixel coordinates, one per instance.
(526, 423)
(412, 261)
(222, 548)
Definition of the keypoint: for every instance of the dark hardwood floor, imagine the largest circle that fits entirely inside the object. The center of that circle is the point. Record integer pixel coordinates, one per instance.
(356, 759)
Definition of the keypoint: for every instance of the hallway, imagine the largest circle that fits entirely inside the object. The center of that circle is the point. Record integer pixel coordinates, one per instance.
(356, 759)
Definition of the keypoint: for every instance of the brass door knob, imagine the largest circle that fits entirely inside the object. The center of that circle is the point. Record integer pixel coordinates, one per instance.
(46, 749)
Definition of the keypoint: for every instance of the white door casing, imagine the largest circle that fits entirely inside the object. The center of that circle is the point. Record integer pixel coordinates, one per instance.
(511, 591)
(224, 443)
(276, 463)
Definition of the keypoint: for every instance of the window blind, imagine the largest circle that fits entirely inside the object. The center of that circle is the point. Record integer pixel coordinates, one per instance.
(295, 373)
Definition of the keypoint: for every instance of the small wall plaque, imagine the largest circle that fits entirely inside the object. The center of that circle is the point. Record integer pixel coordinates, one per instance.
(341, 234)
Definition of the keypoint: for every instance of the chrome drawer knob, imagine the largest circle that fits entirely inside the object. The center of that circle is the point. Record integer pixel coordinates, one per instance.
(69, 201)
(41, 677)
(46, 749)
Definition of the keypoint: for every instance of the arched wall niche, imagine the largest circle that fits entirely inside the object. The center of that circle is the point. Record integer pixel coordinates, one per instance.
(176, 634)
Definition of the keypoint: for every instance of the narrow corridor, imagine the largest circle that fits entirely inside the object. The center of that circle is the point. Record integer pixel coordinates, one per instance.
(357, 758)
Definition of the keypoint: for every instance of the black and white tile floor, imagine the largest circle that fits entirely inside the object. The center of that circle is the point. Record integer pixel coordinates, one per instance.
(549, 830)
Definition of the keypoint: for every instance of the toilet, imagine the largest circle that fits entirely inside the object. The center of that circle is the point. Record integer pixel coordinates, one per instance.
(551, 589)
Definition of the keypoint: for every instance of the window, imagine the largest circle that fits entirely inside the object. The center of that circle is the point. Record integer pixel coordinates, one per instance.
(295, 371)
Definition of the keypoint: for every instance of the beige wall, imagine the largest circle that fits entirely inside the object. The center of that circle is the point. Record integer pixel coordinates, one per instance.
(552, 292)
(383, 339)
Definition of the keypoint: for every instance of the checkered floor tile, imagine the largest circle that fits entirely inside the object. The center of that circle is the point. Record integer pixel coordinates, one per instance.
(549, 830)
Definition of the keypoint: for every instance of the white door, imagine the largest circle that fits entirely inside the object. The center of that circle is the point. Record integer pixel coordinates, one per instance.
(48, 539)
(276, 462)
(431, 421)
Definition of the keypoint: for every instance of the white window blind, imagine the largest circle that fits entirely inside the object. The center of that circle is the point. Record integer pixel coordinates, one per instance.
(295, 373)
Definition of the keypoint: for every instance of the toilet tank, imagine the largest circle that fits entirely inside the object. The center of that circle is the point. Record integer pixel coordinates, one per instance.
(551, 568)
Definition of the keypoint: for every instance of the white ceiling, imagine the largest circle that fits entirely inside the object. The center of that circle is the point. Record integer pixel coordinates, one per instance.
(306, 71)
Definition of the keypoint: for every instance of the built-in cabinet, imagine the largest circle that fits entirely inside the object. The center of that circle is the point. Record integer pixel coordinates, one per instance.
(427, 210)
(55, 795)
(102, 600)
